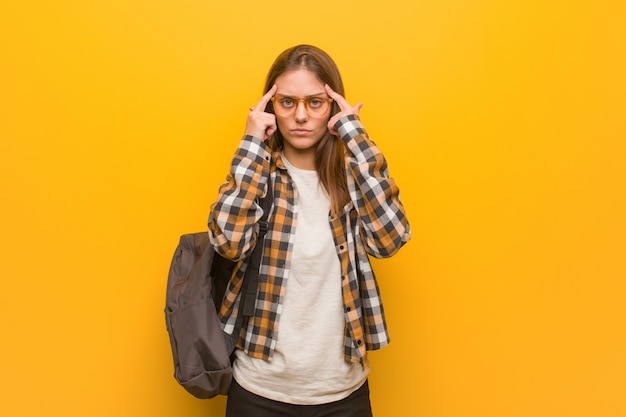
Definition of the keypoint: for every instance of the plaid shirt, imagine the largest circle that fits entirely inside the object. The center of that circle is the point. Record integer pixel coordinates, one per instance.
(373, 222)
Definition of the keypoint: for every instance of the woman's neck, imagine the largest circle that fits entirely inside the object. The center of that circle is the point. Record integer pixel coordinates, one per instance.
(302, 159)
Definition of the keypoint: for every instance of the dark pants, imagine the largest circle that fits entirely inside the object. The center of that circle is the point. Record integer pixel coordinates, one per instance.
(242, 403)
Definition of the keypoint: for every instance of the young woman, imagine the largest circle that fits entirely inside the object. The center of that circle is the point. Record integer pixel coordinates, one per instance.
(318, 309)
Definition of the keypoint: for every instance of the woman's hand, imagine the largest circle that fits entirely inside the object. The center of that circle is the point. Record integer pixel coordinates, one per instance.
(345, 109)
(261, 124)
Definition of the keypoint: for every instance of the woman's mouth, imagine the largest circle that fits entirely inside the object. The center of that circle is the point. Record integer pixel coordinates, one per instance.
(300, 132)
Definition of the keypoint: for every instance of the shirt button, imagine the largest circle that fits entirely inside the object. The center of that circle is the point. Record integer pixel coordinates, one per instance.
(348, 309)
(359, 342)
(341, 247)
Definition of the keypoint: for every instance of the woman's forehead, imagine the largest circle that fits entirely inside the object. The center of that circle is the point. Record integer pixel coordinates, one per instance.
(300, 82)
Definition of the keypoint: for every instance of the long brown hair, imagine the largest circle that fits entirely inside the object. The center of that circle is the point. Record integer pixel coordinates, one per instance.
(329, 153)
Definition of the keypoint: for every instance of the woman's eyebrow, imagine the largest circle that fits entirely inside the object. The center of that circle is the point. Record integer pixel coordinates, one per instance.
(309, 96)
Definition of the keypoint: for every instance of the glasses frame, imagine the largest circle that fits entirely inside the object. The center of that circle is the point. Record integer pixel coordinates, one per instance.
(306, 105)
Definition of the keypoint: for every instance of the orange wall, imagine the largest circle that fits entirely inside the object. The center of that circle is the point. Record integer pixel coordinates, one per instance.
(503, 122)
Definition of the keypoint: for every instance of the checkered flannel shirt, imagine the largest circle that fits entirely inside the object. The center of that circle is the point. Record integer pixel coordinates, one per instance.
(374, 222)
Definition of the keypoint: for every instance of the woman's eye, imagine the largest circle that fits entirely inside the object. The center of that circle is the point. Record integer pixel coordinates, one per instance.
(315, 102)
(287, 102)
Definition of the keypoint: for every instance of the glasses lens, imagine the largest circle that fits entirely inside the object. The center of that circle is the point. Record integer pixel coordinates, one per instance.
(317, 106)
(284, 106)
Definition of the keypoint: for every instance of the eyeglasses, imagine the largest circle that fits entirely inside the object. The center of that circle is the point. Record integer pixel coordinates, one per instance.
(315, 106)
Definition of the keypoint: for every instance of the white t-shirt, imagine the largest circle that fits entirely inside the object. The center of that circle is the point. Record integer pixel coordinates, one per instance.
(308, 365)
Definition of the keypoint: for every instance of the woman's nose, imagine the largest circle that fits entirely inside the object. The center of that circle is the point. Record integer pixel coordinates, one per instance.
(301, 113)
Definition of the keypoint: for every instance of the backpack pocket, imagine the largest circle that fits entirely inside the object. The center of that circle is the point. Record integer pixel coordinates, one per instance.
(201, 360)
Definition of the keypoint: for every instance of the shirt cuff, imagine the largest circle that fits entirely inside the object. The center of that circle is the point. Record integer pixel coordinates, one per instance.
(255, 149)
(349, 127)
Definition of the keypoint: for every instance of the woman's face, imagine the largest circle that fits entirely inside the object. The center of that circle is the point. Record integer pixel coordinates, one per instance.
(300, 131)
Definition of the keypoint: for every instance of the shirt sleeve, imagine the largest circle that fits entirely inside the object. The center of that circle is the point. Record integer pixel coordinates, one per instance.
(233, 217)
(382, 218)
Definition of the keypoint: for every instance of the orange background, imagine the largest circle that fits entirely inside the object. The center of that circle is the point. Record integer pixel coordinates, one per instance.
(503, 123)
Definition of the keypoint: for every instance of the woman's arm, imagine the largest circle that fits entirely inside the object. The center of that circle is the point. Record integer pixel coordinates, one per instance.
(233, 217)
(384, 225)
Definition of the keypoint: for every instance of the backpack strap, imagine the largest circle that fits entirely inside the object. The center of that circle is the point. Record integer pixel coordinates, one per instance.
(251, 279)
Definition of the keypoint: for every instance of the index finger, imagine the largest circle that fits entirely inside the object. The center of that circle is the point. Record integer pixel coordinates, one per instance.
(265, 99)
(339, 99)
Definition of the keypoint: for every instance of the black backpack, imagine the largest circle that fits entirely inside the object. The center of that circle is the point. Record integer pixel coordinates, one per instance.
(196, 283)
